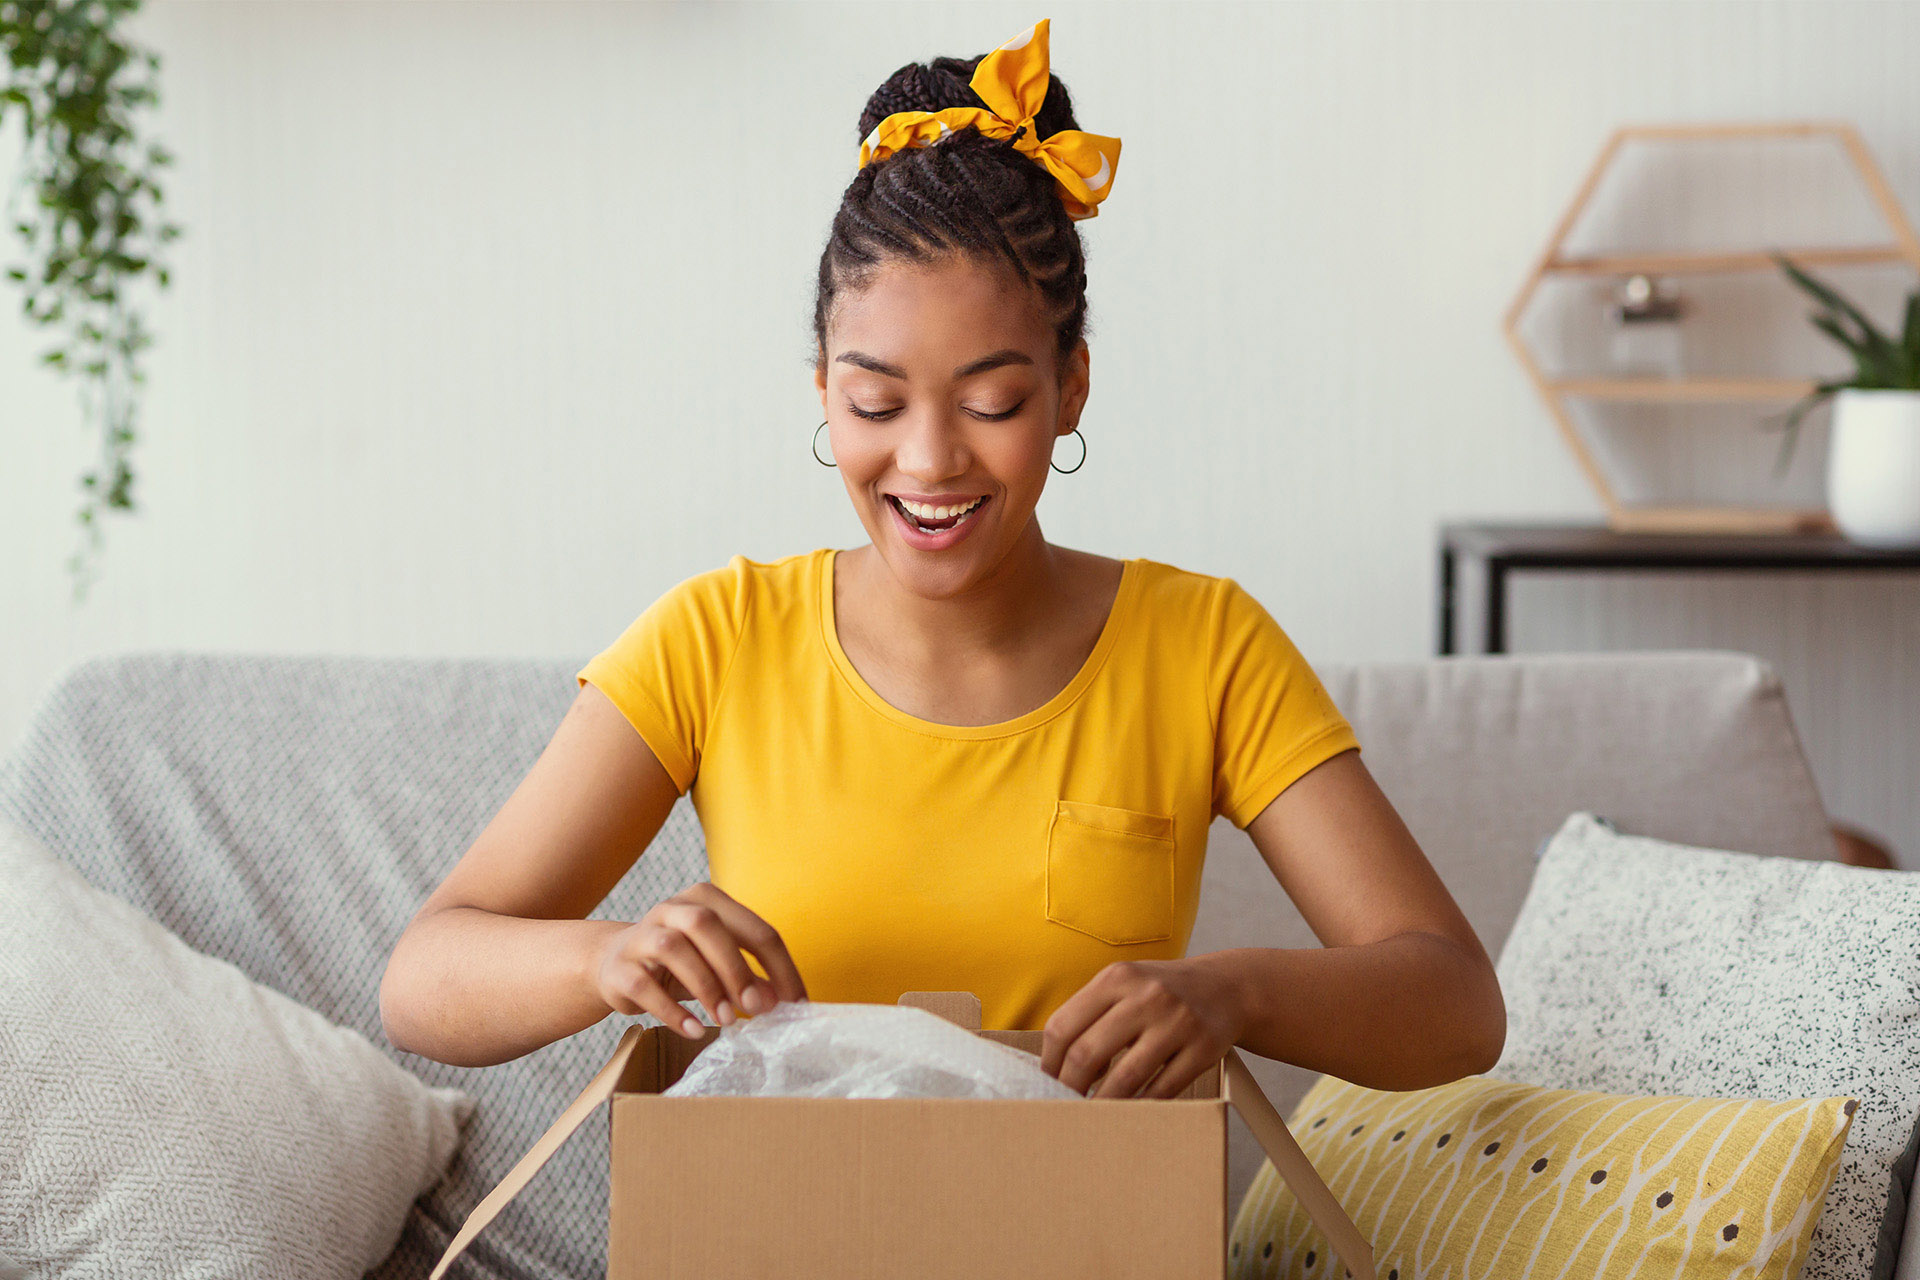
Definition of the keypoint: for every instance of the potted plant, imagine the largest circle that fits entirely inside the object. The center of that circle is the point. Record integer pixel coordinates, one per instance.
(1873, 465)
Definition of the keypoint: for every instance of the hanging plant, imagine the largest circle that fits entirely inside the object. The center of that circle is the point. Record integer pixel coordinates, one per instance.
(87, 208)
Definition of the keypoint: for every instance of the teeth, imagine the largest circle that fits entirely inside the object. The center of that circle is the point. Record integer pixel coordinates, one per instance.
(966, 515)
(937, 513)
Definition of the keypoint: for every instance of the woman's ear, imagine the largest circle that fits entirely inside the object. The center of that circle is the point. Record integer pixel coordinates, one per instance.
(820, 379)
(1076, 382)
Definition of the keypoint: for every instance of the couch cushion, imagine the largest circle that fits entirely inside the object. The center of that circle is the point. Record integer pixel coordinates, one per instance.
(1487, 1178)
(289, 814)
(157, 1099)
(1646, 966)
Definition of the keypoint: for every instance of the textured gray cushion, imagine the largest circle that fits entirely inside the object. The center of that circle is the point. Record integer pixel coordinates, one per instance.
(163, 1112)
(289, 814)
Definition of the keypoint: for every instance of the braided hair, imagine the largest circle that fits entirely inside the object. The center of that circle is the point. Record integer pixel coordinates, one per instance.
(965, 195)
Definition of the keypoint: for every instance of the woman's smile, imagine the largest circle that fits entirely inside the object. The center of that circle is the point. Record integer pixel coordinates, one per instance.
(930, 527)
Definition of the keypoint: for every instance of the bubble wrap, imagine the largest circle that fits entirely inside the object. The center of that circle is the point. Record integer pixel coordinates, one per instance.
(815, 1050)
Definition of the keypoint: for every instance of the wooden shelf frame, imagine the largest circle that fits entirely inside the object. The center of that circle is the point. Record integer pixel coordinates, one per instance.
(1558, 391)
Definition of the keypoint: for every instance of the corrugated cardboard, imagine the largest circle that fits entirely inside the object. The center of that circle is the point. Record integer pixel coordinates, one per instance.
(718, 1188)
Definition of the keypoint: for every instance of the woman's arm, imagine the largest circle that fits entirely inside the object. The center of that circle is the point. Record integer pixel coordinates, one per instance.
(1400, 996)
(499, 960)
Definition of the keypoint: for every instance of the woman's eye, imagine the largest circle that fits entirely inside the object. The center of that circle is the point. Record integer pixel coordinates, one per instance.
(877, 415)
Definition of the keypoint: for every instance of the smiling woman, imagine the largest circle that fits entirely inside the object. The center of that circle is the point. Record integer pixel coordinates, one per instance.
(959, 757)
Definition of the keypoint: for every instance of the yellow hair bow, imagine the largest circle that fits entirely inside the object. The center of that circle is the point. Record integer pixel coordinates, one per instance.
(1012, 81)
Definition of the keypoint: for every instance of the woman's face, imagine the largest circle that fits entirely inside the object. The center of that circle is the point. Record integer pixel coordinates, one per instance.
(941, 386)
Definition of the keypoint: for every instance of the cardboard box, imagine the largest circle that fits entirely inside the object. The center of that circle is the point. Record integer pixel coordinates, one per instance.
(722, 1188)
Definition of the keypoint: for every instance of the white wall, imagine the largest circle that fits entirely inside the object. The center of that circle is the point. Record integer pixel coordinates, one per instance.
(491, 321)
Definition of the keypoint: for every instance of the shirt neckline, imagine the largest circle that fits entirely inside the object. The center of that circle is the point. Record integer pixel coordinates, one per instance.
(1109, 636)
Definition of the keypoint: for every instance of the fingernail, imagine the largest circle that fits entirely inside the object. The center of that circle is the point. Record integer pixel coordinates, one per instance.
(723, 1013)
(692, 1026)
(754, 1001)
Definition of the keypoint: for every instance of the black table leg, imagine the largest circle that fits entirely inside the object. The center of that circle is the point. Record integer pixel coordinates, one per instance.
(1496, 605)
(1446, 602)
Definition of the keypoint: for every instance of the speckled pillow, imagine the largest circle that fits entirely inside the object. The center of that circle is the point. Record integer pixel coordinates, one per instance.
(1639, 966)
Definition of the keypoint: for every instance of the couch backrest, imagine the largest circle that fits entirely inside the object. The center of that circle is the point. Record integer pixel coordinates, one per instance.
(289, 814)
(1484, 757)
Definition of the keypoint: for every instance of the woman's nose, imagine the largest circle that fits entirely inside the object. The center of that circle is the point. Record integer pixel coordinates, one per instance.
(933, 448)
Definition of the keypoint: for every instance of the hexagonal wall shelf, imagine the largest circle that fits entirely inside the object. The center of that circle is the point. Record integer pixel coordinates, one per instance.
(1558, 391)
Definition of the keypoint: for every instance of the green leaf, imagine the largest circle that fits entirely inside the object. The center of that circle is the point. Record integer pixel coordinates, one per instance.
(1832, 299)
(1876, 358)
(1791, 435)
(1912, 339)
(1831, 327)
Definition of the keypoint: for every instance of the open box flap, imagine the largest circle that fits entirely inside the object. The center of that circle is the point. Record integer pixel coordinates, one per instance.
(598, 1090)
(1290, 1162)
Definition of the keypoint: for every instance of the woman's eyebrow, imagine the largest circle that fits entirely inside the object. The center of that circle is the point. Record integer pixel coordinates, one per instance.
(984, 363)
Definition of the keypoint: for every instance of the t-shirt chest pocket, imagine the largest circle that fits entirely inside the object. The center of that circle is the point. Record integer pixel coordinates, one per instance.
(1110, 872)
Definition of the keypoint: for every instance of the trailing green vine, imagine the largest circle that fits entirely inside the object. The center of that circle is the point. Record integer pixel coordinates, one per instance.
(92, 230)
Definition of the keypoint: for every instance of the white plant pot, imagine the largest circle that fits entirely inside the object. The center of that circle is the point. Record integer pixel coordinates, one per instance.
(1873, 467)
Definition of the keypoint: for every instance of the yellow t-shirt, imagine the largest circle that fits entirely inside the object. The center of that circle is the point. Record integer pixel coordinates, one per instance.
(1012, 860)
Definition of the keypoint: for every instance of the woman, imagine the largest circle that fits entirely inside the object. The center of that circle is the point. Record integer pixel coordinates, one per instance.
(959, 757)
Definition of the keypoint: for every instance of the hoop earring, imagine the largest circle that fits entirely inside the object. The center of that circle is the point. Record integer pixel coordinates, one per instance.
(816, 449)
(1067, 471)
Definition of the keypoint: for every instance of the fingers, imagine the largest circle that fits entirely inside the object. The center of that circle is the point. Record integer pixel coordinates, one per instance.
(695, 945)
(758, 937)
(631, 985)
(1091, 1052)
(1065, 1029)
(681, 956)
(1125, 1035)
(1180, 1071)
(717, 946)
(1129, 1070)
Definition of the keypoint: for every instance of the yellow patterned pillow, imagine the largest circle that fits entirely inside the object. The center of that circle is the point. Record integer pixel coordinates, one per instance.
(1485, 1180)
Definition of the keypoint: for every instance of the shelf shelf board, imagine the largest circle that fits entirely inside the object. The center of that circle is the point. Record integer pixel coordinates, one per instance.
(1722, 520)
(1683, 390)
(1670, 264)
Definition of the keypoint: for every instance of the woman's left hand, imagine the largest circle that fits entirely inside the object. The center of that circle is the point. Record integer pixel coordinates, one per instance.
(1139, 1017)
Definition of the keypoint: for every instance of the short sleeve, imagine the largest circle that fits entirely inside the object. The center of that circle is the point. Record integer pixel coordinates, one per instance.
(1272, 719)
(667, 670)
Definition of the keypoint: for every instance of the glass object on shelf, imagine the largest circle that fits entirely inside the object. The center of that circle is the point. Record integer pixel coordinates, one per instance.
(1647, 339)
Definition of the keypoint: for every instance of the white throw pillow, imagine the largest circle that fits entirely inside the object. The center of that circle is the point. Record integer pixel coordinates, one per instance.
(162, 1114)
(1639, 966)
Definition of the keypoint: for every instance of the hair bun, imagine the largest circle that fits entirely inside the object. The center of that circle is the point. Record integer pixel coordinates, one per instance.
(947, 82)
(916, 87)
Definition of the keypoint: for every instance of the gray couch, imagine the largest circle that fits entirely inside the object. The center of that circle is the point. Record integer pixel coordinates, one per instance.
(289, 813)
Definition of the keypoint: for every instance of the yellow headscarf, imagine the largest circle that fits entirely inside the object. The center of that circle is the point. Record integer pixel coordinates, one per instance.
(1012, 81)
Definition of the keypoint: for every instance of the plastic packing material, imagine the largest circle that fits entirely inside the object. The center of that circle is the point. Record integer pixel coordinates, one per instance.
(827, 1050)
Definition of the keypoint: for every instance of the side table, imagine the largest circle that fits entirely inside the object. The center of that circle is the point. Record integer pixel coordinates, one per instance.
(1477, 559)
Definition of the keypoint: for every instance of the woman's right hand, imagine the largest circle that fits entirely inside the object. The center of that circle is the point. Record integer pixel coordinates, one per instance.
(691, 946)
